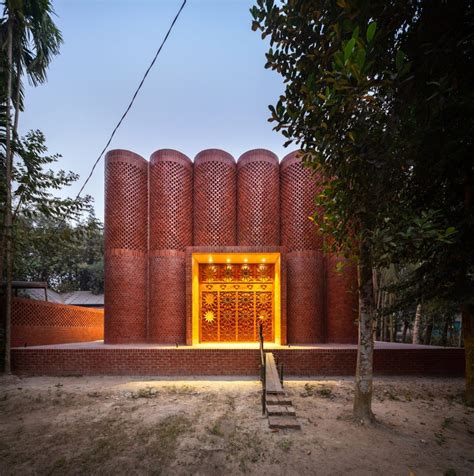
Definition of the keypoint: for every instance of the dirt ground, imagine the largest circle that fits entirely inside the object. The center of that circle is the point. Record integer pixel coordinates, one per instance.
(126, 425)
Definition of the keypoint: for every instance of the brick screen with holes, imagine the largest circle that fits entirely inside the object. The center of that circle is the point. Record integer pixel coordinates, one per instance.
(258, 208)
(158, 212)
(43, 323)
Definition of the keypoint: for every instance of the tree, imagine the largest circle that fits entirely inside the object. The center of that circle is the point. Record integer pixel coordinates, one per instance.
(68, 258)
(436, 104)
(343, 65)
(29, 39)
(34, 202)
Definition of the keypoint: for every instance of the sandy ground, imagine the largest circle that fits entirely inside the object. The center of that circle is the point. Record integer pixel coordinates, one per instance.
(123, 425)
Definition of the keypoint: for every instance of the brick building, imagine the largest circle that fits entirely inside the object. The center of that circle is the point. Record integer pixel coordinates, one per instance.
(204, 251)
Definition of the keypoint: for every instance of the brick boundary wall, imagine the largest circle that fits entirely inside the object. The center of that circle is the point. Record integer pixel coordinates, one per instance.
(45, 323)
(191, 361)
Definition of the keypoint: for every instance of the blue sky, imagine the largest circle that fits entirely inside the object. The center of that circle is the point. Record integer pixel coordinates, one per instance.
(208, 89)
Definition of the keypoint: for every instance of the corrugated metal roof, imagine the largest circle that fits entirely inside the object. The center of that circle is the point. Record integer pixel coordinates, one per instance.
(83, 298)
(73, 298)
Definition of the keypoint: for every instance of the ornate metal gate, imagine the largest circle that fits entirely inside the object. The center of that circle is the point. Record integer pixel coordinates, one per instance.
(233, 300)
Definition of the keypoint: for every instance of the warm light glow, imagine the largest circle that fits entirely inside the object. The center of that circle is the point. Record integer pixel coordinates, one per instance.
(236, 259)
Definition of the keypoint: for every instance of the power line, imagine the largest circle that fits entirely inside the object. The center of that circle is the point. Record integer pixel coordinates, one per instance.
(135, 94)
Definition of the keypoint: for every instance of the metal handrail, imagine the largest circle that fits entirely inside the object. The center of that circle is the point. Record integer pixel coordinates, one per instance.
(263, 369)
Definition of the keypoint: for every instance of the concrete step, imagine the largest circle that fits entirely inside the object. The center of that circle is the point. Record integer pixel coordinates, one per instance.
(280, 410)
(283, 423)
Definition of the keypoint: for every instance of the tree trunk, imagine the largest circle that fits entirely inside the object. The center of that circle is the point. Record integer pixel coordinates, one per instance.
(429, 331)
(467, 312)
(365, 349)
(8, 206)
(444, 338)
(404, 332)
(417, 325)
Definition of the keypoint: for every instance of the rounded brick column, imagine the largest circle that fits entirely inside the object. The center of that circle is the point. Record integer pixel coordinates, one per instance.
(126, 241)
(305, 262)
(171, 228)
(298, 189)
(214, 199)
(305, 297)
(341, 302)
(258, 199)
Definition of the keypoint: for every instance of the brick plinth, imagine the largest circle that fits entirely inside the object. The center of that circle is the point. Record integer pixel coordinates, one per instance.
(341, 301)
(191, 361)
(215, 212)
(258, 197)
(305, 297)
(167, 317)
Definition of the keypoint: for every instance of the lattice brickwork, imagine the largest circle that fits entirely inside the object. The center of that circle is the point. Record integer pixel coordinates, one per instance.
(171, 201)
(167, 312)
(42, 323)
(258, 199)
(125, 297)
(305, 297)
(126, 201)
(298, 189)
(214, 199)
(342, 302)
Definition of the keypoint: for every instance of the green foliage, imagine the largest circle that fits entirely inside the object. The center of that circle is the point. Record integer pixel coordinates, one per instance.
(378, 97)
(68, 259)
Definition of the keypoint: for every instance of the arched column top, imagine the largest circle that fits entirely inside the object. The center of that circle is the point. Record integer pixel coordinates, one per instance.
(257, 155)
(170, 155)
(214, 155)
(125, 156)
(290, 159)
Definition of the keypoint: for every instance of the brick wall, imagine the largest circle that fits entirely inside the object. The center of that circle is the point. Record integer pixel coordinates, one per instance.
(193, 361)
(43, 323)
(126, 247)
(342, 302)
(155, 211)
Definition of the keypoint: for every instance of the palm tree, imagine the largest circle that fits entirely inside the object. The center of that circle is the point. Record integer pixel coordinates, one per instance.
(29, 39)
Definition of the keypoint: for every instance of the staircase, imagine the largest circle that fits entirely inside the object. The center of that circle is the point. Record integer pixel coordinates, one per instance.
(280, 411)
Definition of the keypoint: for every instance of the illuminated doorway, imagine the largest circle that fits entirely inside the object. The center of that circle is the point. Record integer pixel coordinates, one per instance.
(233, 294)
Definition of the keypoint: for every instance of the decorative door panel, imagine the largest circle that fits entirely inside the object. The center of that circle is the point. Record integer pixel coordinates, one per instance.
(234, 299)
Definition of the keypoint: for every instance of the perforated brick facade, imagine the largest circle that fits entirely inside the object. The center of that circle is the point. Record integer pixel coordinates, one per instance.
(158, 213)
(44, 323)
(126, 247)
(215, 182)
(298, 188)
(258, 207)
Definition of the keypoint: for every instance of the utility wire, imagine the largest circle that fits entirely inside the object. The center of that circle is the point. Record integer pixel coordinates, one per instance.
(135, 94)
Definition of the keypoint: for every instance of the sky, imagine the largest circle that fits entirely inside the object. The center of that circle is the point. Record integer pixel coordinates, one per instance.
(208, 88)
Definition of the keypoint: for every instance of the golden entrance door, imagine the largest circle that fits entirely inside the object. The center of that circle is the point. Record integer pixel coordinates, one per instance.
(233, 300)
